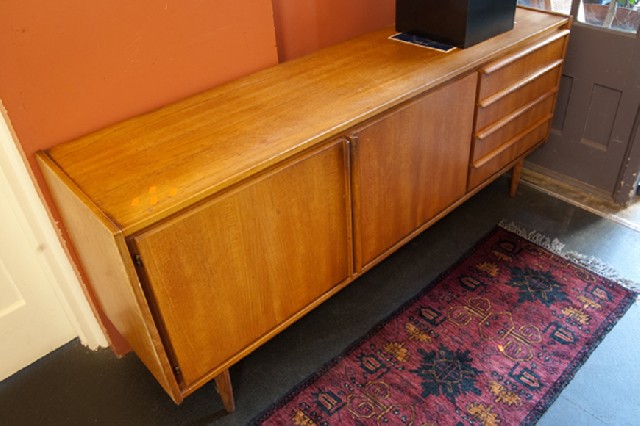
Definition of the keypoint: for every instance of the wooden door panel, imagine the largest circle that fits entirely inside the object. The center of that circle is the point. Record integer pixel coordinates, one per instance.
(410, 165)
(228, 272)
(562, 102)
(586, 143)
(601, 115)
(596, 110)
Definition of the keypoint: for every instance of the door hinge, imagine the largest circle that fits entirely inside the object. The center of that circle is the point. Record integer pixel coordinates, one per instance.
(177, 372)
(137, 260)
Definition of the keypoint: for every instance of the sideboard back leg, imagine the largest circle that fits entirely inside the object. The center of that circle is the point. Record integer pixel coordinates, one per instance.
(515, 177)
(225, 390)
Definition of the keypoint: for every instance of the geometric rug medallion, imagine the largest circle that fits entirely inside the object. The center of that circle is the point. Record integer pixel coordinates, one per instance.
(492, 341)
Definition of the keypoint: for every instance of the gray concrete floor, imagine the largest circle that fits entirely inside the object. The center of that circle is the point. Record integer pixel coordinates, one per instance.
(599, 204)
(74, 386)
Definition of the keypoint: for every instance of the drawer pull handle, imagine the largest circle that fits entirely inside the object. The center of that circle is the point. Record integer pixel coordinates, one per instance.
(489, 130)
(509, 90)
(510, 59)
(484, 160)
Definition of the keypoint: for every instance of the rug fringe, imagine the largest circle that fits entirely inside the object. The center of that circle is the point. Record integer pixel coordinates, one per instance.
(556, 246)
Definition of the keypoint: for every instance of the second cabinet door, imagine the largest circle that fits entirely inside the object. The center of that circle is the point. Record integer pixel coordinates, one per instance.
(409, 165)
(228, 273)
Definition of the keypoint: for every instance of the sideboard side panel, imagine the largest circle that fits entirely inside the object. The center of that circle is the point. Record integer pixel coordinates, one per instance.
(105, 258)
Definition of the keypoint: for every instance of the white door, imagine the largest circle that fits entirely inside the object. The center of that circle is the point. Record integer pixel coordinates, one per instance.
(32, 319)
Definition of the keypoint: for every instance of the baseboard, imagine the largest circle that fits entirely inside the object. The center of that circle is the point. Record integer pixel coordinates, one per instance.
(541, 174)
(594, 201)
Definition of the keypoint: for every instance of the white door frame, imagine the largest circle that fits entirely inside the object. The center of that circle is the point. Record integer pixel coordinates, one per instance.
(64, 279)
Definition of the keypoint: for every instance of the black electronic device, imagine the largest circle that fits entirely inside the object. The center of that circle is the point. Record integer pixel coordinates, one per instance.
(461, 23)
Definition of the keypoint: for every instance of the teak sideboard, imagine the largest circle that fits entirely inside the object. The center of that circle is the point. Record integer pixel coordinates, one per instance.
(209, 225)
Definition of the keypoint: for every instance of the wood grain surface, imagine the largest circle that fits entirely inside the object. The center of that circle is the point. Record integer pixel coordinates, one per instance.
(410, 165)
(151, 166)
(226, 274)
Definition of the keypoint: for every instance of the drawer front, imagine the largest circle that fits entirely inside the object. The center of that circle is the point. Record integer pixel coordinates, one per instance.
(517, 68)
(481, 171)
(494, 137)
(497, 107)
(516, 100)
(224, 276)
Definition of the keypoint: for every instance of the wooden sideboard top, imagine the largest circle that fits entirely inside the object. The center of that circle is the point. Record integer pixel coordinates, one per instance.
(148, 167)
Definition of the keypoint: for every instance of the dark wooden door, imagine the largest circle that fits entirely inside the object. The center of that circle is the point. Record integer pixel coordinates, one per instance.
(592, 141)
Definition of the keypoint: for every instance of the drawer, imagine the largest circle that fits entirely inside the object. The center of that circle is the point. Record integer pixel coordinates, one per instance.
(504, 103)
(489, 165)
(492, 138)
(514, 70)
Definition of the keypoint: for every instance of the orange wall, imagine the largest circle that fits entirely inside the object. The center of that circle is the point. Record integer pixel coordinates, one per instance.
(70, 67)
(306, 26)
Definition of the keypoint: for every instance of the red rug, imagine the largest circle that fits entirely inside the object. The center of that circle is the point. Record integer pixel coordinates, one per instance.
(492, 341)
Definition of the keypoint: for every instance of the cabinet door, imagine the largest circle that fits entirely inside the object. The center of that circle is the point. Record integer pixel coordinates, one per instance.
(410, 165)
(224, 276)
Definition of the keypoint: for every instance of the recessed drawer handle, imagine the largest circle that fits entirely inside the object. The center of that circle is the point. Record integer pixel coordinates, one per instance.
(489, 130)
(509, 90)
(518, 55)
(514, 140)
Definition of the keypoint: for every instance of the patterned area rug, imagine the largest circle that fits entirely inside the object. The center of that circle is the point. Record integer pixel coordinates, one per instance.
(492, 341)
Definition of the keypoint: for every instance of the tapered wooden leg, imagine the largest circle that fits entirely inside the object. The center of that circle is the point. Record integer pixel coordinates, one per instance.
(225, 390)
(515, 177)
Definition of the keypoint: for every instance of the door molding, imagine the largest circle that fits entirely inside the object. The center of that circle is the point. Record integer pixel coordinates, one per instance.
(628, 177)
(64, 279)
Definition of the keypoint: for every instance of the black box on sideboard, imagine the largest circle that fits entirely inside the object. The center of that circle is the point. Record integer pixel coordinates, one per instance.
(461, 23)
